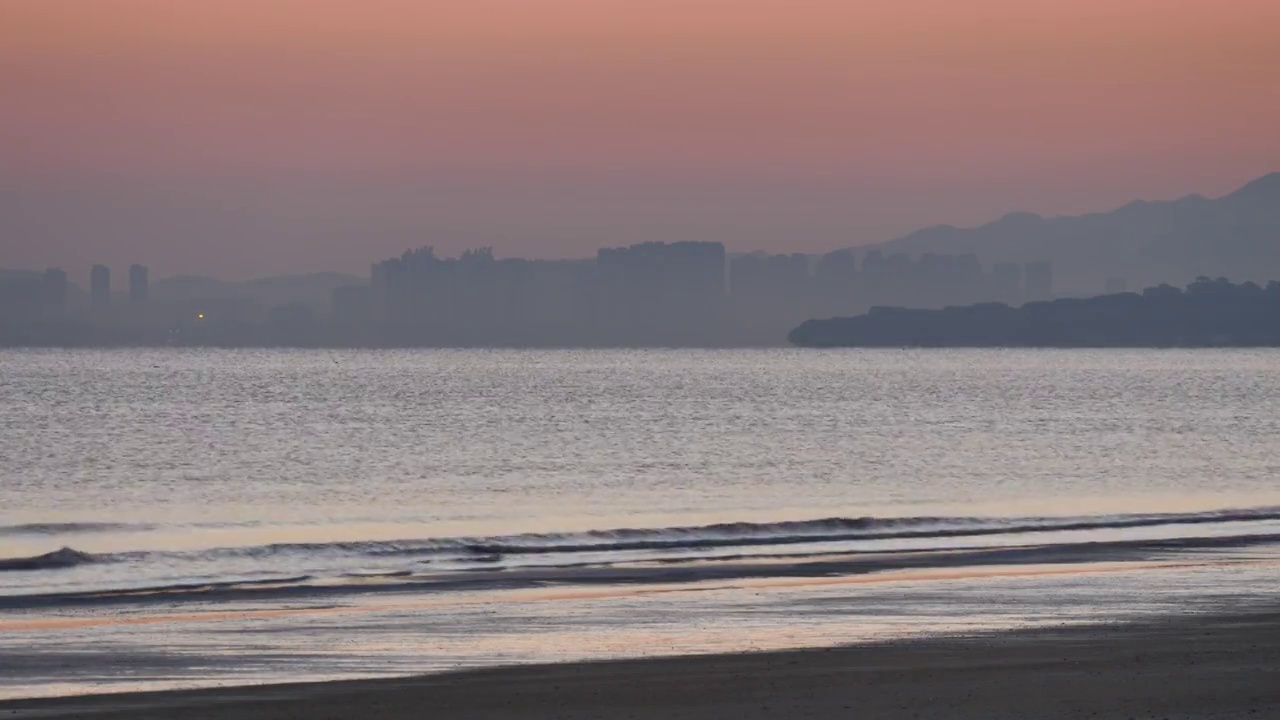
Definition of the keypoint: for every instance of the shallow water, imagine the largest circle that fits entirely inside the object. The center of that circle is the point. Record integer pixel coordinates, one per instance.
(227, 513)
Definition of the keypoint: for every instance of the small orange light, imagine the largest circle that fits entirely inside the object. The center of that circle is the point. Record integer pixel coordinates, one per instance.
(200, 316)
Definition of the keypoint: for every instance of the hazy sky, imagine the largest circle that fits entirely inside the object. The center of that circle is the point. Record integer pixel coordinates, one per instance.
(246, 137)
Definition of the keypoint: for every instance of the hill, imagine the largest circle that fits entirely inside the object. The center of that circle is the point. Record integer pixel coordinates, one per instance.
(1210, 313)
(1237, 235)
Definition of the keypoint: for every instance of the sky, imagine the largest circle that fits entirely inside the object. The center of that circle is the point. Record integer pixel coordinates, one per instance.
(240, 138)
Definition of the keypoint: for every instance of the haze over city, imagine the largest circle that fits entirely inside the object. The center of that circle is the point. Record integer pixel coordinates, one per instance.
(581, 359)
(239, 139)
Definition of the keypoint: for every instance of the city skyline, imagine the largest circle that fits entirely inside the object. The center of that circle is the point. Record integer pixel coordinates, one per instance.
(1266, 186)
(237, 138)
(684, 294)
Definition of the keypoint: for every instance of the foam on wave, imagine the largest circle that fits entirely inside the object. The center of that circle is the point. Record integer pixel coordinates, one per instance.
(703, 537)
(62, 558)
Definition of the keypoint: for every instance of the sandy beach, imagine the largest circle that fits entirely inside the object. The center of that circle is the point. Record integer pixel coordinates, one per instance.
(1194, 666)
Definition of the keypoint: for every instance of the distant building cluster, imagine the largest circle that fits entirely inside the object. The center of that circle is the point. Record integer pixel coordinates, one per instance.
(100, 285)
(655, 294)
(48, 309)
(648, 294)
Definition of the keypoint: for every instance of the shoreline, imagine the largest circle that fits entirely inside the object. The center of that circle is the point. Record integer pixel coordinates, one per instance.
(1225, 664)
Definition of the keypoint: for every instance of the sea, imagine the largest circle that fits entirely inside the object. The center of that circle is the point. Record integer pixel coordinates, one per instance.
(178, 518)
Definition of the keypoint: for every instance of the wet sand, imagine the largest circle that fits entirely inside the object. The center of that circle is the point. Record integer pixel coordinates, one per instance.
(1193, 666)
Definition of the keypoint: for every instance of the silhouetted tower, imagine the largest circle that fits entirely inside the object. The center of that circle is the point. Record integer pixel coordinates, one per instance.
(100, 285)
(55, 288)
(1039, 277)
(137, 283)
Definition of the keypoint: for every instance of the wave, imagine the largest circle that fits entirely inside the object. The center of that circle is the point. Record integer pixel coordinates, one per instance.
(744, 534)
(72, 528)
(326, 589)
(721, 535)
(680, 539)
(62, 558)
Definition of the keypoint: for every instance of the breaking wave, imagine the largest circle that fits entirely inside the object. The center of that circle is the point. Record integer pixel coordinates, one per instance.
(673, 539)
(744, 534)
(63, 558)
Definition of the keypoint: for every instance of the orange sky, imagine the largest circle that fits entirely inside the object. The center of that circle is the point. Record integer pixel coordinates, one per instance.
(244, 136)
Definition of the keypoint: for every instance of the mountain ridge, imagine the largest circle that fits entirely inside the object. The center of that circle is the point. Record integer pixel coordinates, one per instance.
(1143, 241)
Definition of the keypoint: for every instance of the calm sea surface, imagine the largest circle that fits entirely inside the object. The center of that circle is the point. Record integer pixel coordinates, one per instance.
(289, 482)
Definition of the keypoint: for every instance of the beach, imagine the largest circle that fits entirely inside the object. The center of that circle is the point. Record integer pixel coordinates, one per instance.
(1224, 665)
(647, 534)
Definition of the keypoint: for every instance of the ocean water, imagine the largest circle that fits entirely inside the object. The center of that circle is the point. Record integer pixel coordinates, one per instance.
(177, 518)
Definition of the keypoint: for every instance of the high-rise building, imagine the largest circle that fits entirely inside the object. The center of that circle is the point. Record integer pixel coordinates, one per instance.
(138, 283)
(656, 291)
(100, 285)
(1039, 278)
